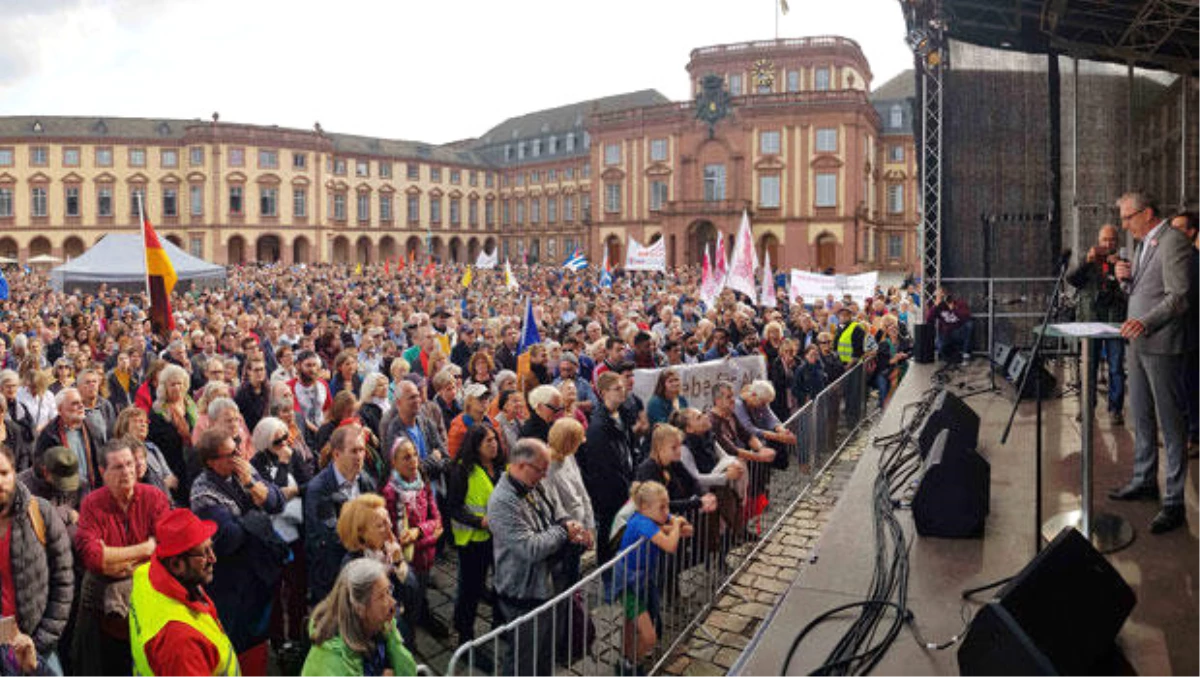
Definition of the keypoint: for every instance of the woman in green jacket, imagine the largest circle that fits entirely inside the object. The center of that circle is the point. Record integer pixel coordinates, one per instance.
(353, 630)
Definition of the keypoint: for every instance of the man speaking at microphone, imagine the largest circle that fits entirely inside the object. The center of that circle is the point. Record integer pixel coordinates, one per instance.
(1158, 280)
(1102, 300)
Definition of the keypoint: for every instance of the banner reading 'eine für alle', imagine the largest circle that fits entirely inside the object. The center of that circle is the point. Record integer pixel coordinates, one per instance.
(813, 286)
(653, 257)
(697, 380)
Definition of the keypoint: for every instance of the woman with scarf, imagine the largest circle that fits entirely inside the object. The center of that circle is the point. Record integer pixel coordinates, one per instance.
(373, 397)
(172, 418)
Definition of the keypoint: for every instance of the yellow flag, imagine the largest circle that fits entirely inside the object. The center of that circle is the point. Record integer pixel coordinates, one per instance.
(358, 269)
(466, 281)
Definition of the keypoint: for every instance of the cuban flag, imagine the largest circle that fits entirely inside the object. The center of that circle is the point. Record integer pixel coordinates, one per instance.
(576, 261)
(605, 273)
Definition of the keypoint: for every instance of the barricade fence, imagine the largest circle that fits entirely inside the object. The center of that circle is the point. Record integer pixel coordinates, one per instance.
(629, 614)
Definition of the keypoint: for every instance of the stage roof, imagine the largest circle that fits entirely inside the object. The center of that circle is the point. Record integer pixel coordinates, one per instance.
(1158, 34)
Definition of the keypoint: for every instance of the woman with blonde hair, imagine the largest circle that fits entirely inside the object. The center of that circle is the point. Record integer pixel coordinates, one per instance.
(172, 418)
(565, 481)
(365, 530)
(135, 424)
(353, 630)
(34, 395)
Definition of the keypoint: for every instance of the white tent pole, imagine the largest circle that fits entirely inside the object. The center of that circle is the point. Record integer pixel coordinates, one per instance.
(145, 263)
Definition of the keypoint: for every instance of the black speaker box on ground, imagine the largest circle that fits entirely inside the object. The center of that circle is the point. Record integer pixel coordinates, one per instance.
(950, 413)
(1059, 615)
(1016, 371)
(952, 499)
(923, 343)
(1002, 353)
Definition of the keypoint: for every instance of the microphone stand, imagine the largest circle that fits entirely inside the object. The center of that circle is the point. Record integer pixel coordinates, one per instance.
(1034, 368)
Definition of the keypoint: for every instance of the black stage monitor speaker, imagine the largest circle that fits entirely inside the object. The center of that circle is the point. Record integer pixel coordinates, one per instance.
(1058, 616)
(1016, 371)
(950, 413)
(923, 343)
(1002, 353)
(952, 499)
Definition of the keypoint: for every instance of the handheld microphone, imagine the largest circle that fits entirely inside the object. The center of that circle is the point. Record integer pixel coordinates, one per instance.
(1122, 254)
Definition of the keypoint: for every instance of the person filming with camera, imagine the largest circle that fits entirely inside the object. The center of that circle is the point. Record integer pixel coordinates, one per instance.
(1102, 300)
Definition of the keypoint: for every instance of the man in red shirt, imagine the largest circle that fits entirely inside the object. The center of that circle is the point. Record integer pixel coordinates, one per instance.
(115, 535)
(173, 624)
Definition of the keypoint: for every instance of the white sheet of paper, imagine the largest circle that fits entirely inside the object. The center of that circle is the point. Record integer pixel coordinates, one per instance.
(1093, 329)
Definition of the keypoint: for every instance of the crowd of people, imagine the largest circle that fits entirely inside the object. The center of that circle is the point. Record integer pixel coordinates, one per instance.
(283, 469)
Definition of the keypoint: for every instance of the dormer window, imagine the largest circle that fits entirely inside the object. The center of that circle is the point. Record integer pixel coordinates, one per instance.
(571, 142)
(896, 116)
(507, 152)
(537, 147)
(521, 150)
(37, 127)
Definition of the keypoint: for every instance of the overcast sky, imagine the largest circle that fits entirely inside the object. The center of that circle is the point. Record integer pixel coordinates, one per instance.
(434, 71)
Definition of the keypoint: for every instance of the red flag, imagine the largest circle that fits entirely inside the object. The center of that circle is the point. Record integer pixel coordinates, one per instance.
(160, 280)
(428, 270)
(399, 263)
(387, 267)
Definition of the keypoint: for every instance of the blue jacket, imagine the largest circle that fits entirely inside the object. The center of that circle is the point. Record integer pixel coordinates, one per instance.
(323, 550)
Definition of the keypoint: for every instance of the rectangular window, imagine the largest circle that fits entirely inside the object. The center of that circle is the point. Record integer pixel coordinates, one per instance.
(535, 210)
(413, 171)
(237, 157)
(104, 204)
(339, 167)
(714, 182)
(104, 157)
(363, 207)
(489, 213)
(70, 157)
(793, 81)
(473, 178)
(826, 190)
(72, 200)
(571, 142)
(569, 173)
(196, 199)
(455, 211)
(896, 153)
(551, 175)
(895, 246)
(268, 201)
(585, 172)
(896, 116)
(612, 197)
(414, 208)
(196, 156)
(6, 202)
(235, 199)
(768, 143)
(489, 180)
(735, 84)
(612, 153)
(385, 169)
(6, 157)
(658, 150)
(362, 168)
(473, 212)
(196, 246)
(39, 156)
(506, 213)
(585, 207)
(658, 195)
(552, 145)
(299, 160)
(299, 203)
(821, 79)
(521, 150)
(137, 197)
(520, 212)
(568, 208)
(339, 206)
(435, 210)
(268, 159)
(535, 177)
(521, 179)
(895, 199)
(168, 158)
(827, 140)
(768, 192)
(170, 202)
(385, 207)
(137, 157)
(435, 174)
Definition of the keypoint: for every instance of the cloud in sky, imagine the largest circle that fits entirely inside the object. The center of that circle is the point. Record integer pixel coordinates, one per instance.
(433, 71)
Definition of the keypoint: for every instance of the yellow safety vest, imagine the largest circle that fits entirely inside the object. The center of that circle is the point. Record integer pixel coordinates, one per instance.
(845, 344)
(150, 610)
(479, 490)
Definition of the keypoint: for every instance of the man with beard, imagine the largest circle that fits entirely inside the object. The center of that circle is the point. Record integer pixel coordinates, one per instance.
(173, 624)
(312, 395)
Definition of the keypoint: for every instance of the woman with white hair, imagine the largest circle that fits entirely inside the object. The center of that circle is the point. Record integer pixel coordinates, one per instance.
(373, 401)
(753, 411)
(172, 419)
(353, 630)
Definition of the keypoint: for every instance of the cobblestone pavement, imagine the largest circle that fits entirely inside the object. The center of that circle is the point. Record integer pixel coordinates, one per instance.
(738, 613)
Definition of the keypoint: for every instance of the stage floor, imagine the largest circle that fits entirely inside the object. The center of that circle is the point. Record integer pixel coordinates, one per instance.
(1160, 636)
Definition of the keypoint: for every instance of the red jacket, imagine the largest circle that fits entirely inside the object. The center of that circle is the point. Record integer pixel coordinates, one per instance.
(422, 514)
(179, 649)
(324, 384)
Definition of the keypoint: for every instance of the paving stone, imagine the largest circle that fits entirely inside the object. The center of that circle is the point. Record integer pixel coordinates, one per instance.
(703, 668)
(733, 641)
(760, 569)
(770, 598)
(772, 585)
(727, 657)
(725, 621)
(751, 610)
(726, 601)
(678, 666)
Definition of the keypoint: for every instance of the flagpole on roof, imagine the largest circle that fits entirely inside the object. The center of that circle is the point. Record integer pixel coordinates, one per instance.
(145, 262)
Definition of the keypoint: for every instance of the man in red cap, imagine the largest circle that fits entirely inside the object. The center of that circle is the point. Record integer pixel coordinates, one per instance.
(173, 625)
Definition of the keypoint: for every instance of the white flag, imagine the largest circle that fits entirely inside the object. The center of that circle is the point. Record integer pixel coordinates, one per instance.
(485, 262)
(768, 284)
(744, 264)
(510, 282)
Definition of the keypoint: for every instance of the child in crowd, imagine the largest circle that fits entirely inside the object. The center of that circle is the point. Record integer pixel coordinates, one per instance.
(654, 523)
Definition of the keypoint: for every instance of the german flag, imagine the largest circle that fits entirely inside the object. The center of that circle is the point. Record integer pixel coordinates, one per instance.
(160, 281)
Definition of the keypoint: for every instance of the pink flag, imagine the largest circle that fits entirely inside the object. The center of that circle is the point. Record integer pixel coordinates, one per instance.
(744, 263)
(768, 284)
(708, 285)
(722, 261)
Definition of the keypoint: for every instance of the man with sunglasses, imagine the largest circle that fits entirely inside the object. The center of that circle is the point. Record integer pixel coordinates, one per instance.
(173, 624)
(1159, 281)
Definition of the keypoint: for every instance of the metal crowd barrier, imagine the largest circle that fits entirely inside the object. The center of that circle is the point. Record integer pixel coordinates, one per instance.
(585, 629)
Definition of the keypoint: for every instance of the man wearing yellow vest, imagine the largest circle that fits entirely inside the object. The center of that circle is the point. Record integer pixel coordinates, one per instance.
(173, 625)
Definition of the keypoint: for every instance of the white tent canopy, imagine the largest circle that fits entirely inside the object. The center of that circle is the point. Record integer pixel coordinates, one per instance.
(118, 260)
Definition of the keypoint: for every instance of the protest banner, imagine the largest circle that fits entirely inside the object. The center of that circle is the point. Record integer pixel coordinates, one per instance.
(697, 380)
(653, 257)
(814, 286)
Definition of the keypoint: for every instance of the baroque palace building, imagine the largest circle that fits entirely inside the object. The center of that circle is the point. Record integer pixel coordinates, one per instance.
(788, 130)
